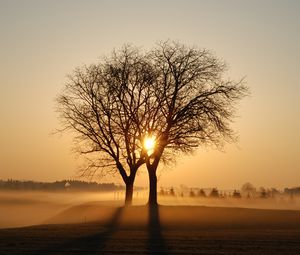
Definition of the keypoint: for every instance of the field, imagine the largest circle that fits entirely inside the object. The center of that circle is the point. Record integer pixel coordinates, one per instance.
(76, 224)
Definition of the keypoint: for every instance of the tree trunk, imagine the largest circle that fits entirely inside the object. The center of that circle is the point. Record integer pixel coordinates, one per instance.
(152, 187)
(129, 193)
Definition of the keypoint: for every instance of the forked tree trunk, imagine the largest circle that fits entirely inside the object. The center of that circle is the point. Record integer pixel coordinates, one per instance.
(152, 187)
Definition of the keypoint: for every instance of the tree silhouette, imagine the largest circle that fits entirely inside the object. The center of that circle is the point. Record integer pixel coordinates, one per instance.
(192, 103)
(100, 104)
(134, 108)
(248, 190)
(201, 193)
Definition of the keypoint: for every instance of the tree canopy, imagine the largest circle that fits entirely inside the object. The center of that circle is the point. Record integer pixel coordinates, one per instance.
(173, 93)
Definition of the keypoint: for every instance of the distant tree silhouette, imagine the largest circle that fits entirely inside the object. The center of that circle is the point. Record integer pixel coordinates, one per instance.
(172, 192)
(248, 190)
(162, 191)
(72, 185)
(192, 193)
(292, 191)
(214, 193)
(201, 193)
(274, 192)
(263, 192)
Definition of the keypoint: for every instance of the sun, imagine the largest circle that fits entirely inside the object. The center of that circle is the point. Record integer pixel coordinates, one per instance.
(149, 144)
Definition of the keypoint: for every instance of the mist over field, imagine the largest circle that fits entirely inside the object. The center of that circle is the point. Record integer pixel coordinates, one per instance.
(24, 208)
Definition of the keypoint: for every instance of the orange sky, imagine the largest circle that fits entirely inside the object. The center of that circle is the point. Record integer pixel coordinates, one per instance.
(42, 41)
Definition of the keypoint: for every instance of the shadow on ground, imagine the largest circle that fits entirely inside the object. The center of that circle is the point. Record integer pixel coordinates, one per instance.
(161, 230)
(156, 242)
(117, 235)
(90, 244)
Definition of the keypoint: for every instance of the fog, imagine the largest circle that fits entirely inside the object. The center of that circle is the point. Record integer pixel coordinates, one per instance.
(30, 208)
(22, 208)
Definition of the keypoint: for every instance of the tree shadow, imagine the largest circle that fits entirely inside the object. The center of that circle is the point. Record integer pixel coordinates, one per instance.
(156, 243)
(90, 244)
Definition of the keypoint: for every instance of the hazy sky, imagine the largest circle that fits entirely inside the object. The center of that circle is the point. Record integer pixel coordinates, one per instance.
(42, 41)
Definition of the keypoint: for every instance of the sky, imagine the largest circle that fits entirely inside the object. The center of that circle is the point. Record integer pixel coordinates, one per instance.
(43, 41)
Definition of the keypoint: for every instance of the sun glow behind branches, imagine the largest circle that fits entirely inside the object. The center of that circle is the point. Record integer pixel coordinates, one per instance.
(149, 144)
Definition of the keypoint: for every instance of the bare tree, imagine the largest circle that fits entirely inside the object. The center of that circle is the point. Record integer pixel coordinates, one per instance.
(101, 104)
(248, 190)
(191, 104)
(138, 108)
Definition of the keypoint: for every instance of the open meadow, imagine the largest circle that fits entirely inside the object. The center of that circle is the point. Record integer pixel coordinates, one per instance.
(78, 223)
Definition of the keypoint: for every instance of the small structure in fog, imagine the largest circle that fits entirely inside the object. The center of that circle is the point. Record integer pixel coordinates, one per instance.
(236, 194)
(67, 185)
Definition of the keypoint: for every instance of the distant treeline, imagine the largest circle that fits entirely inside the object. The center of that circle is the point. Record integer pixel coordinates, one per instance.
(246, 191)
(292, 191)
(63, 185)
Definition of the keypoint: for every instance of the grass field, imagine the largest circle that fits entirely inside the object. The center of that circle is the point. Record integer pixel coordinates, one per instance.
(108, 228)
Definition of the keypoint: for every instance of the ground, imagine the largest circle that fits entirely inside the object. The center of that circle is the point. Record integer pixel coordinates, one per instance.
(107, 228)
